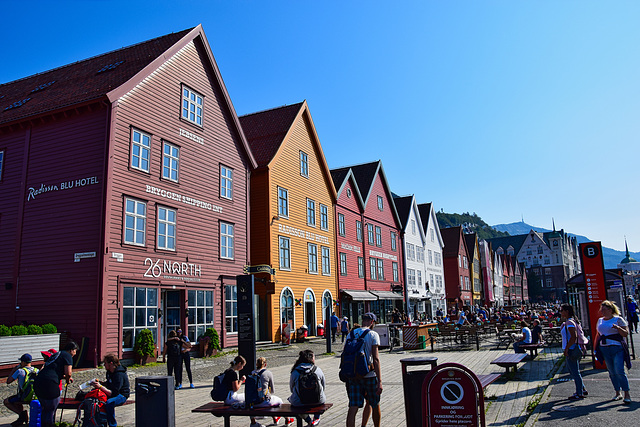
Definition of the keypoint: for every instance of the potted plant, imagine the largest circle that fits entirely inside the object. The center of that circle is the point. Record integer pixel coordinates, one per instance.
(144, 347)
(18, 339)
(213, 343)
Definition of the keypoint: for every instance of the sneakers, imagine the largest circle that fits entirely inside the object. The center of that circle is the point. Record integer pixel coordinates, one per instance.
(23, 418)
(315, 422)
(576, 397)
(627, 400)
(289, 421)
(192, 386)
(179, 386)
(585, 392)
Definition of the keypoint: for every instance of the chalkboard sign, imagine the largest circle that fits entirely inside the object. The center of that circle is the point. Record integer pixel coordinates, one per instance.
(246, 331)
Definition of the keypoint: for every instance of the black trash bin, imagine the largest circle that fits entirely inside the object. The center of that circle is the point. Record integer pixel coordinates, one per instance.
(412, 384)
(155, 401)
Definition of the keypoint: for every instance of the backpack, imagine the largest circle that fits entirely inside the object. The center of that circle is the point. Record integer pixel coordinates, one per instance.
(92, 410)
(354, 362)
(253, 391)
(219, 392)
(26, 392)
(309, 388)
(174, 348)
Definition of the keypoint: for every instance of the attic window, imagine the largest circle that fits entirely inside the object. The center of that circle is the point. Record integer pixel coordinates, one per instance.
(110, 67)
(43, 86)
(17, 104)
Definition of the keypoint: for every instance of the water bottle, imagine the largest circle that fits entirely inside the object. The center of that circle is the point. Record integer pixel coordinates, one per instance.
(35, 411)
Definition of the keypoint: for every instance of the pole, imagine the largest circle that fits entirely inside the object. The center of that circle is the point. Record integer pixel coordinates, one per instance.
(65, 398)
(327, 329)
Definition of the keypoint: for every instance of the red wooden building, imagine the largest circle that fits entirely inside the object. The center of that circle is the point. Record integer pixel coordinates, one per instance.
(124, 196)
(456, 268)
(370, 259)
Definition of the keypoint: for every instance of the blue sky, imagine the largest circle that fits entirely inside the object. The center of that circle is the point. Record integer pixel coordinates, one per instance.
(508, 109)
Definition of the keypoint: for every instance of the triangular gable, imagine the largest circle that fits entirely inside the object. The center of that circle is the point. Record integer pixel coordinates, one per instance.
(340, 178)
(428, 216)
(365, 175)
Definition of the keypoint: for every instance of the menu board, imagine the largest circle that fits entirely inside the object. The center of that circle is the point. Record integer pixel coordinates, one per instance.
(246, 331)
(594, 281)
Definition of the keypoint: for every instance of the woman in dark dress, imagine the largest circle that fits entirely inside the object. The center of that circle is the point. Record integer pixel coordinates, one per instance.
(47, 383)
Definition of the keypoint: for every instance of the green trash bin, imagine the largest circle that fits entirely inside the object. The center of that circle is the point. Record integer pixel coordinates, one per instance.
(422, 342)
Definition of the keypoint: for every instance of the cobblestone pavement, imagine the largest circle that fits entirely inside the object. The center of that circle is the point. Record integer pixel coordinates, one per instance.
(507, 398)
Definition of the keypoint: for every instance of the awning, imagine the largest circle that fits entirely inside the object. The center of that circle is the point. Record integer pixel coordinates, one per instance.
(360, 295)
(387, 295)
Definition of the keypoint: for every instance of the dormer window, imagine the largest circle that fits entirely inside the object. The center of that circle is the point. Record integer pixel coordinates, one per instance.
(192, 104)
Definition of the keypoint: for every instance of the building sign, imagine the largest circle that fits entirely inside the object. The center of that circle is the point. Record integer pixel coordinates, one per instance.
(191, 136)
(348, 247)
(173, 270)
(118, 256)
(377, 254)
(263, 268)
(184, 199)
(594, 281)
(453, 396)
(32, 192)
(297, 232)
(81, 255)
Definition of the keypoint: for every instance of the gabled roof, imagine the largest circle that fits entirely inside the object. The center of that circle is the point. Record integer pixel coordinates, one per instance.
(81, 81)
(268, 130)
(108, 76)
(470, 241)
(425, 215)
(403, 206)
(265, 130)
(451, 238)
(504, 242)
(340, 178)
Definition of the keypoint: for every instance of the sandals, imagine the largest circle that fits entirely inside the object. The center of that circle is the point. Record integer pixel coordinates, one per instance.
(576, 397)
(617, 397)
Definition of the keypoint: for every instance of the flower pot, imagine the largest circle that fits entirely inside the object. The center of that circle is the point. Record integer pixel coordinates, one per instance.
(11, 348)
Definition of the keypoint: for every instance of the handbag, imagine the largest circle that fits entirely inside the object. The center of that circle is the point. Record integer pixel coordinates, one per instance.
(575, 353)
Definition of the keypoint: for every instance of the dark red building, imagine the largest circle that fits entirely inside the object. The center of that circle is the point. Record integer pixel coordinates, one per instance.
(124, 196)
(370, 259)
(456, 268)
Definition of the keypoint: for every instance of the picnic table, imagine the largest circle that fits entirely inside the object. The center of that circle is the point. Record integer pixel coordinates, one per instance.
(552, 335)
(509, 361)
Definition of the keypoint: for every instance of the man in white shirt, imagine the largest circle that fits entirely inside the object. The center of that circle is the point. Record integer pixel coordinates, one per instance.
(14, 403)
(369, 387)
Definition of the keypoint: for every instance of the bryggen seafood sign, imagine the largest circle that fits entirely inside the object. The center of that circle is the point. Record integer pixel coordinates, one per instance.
(65, 185)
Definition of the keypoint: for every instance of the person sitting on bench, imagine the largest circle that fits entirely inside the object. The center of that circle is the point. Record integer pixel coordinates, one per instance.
(536, 332)
(116, 387)
(525, 338)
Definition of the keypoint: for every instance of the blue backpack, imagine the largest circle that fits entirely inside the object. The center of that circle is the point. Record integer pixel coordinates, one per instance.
(254, 393)
(354, 362)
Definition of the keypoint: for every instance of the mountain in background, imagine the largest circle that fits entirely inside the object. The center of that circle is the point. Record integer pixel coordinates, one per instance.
(610, 256)
(471, 223)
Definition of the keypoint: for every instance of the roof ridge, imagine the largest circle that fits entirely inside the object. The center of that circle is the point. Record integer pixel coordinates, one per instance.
(93, 57)
(271, 109)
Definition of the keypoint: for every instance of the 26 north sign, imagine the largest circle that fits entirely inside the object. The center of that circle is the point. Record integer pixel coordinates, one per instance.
(173, 270)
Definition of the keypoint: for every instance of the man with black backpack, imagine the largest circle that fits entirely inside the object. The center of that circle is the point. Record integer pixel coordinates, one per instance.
(116, 387)
(364, 382)
(24, 373)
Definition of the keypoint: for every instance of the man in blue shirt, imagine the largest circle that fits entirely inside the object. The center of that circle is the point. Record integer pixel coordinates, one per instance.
(334, 326)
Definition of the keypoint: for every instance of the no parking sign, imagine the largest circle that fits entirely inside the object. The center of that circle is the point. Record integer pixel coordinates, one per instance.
(453, 397)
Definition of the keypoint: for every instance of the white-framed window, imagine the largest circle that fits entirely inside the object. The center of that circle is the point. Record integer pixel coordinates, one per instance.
(359, 230)
(438, 257)
(372, 268)
(361, 267)
(419, 278)
(283, 202)
(135, 220)
(311, 212)
(192, 104)
(430, 253)
(170, 161)
(226, 182)
(411, 252)
(140, 150)
(459, 261)
(1, 163)
(461, 282)
(394, 246)
(549, 281)
(304, 164)
(343, 264)
(324, 217)
(467, 283)
(378, 236)
(284, 243)
(380, 270)
(432, 234)
(166, 228)
(226, 240)
(370, 233)
(413, 227)
(231, 308)
(341, 226)
(286, 306)
(200, 317)
(465, 261)
(380, 203)
(139, 311)
(312, 250)
(411, 277)
(419, 253)
(394, 267)
(326, 261)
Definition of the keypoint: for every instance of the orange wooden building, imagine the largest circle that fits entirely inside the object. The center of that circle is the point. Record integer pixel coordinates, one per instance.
(292, 221)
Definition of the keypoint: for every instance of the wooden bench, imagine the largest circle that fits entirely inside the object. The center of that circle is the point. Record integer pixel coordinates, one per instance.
(487, 379)
(504, 338)
(219, 409)
(69, 403)
(509, 360)
(532, 349)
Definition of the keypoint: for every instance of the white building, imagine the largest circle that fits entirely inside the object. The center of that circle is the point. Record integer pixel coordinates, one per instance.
(433, 259)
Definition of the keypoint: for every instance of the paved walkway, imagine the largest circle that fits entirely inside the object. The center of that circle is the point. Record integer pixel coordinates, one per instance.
(507, 399)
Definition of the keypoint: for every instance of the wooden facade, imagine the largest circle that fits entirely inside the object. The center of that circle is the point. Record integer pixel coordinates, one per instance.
(456, 268)
(292, 221)
(124, 234)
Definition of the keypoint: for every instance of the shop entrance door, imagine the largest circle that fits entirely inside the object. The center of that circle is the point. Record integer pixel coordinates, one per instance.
(170, 303)
(310, 312)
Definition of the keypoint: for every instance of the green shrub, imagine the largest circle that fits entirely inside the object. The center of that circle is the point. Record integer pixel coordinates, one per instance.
(5, 331)
(34, 330)
(144, 346)
(19, 330)
(214, 337)
(48, 328)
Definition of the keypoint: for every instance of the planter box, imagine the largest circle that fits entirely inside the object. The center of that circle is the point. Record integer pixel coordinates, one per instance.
(11, 348)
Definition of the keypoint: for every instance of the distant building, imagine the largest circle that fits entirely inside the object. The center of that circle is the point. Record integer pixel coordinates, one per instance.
(475, 273)
(631, 272)
(434, 258)
(550, 258)
(456, 268)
